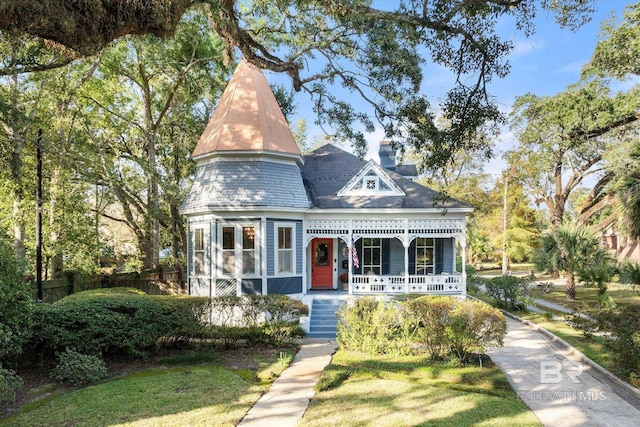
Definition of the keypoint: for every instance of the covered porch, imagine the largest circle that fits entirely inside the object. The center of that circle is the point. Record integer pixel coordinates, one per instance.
(392, 256)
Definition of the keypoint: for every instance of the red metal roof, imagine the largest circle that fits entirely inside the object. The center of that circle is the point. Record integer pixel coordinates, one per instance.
(247, 118)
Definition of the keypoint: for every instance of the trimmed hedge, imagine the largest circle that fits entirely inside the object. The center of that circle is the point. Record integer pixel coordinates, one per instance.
(126, 323)
(114, 322)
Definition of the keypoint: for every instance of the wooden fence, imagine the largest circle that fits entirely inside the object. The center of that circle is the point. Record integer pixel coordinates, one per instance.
(156, 282)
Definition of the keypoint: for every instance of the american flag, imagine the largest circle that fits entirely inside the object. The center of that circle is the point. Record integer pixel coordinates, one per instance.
(354, 255)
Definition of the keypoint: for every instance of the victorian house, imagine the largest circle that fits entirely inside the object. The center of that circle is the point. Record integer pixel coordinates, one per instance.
(263, 218)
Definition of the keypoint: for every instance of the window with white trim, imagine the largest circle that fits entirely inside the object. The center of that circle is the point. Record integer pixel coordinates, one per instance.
(285, 255)
(198, 251)
(229, 250)
(238, 250)
(372, 256)
(248, 250)
(425, 259)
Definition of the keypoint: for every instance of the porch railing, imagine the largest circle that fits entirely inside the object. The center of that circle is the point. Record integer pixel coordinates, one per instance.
(449, 284)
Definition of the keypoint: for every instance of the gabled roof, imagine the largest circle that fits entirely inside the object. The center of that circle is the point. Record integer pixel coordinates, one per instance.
(329, 169)
(371, 180)
(247, 118)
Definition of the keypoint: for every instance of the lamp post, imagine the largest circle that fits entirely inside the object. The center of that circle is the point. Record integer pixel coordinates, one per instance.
(39, 215)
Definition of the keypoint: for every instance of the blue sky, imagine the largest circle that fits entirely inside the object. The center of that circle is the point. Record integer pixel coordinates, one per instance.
(544, 64)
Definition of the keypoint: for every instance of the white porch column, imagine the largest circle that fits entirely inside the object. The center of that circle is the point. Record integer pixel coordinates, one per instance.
(350, 257)
(463, 242)
(406, 244)
(455, 255)
(263, 253)
(304, 257)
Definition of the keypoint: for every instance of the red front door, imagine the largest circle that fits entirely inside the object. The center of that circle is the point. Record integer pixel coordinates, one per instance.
(321, 264)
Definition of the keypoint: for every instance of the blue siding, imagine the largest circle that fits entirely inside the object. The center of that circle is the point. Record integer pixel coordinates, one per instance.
(299, 247)
(284, 285)
(271, 268)
(447, 255)
(396, 257)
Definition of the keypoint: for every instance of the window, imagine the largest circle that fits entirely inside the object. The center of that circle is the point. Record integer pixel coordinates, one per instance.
(228, 250)
(372, 256)
(198, 251)
(248, 250)
(425, 260)
(284, 250)
(239, 255)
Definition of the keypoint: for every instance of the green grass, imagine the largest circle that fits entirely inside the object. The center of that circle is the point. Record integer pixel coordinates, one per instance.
(621, 295)
(184, 394)
(362, 390)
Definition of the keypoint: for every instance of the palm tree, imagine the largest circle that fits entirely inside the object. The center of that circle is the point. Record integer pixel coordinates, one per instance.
(628, 191)
(572, 249)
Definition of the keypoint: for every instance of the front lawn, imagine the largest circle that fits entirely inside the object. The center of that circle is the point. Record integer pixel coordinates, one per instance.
(180, 391)
(359, 389)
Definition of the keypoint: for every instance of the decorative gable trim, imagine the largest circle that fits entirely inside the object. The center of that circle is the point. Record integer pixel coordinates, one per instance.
(371, 180)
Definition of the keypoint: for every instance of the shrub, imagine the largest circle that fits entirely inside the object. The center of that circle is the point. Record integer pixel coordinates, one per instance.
(282, 333)
(249, 310)
(623, 327)
(78, 369)
(283, 308)
(441, 326)
(511, 293)
(473, 327)
(16, 305)
(429, 315)
(9, 384)
(117, 323)
(373, 326)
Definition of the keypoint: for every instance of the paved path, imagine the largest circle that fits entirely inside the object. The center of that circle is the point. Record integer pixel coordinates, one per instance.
(287, 399)
(556, 384)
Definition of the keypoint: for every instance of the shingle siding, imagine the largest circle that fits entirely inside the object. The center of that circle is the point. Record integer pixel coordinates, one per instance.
(222, 184)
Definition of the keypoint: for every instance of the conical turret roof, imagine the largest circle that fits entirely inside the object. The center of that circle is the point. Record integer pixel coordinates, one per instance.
(247, 118)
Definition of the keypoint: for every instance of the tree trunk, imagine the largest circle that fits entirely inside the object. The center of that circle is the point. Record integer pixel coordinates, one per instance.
(571, 286)
(18, 201)
(18, 228)
(56, 265)
(505, 259)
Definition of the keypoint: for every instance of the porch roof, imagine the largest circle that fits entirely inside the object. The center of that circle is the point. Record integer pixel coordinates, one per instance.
(328, 169)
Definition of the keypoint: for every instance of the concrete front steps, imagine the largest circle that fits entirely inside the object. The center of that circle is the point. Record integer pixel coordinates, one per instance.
(323, 322)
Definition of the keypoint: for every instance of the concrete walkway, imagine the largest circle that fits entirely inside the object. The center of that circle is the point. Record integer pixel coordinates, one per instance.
(559, 386)
(287, 399)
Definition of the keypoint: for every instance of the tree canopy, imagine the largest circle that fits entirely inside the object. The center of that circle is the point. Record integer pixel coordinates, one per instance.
(378, 53)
